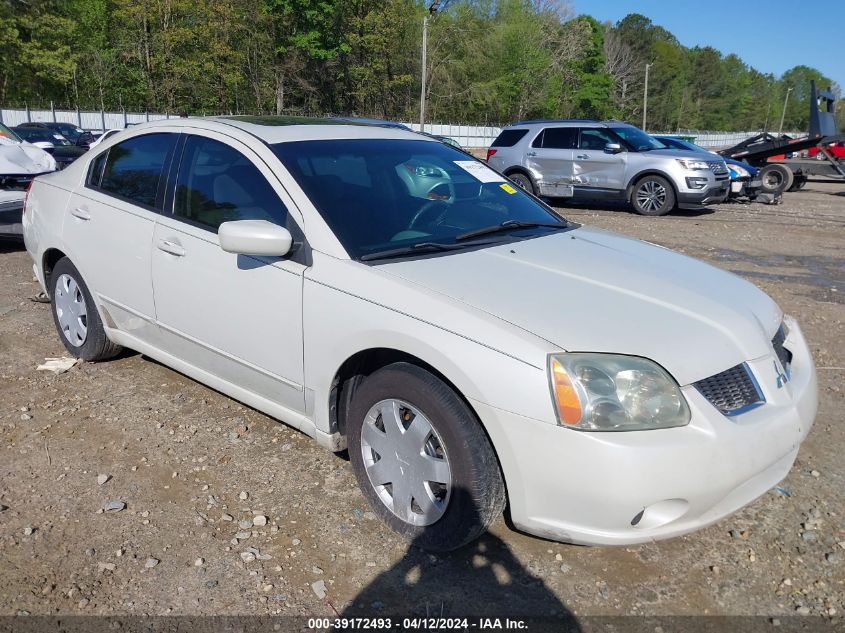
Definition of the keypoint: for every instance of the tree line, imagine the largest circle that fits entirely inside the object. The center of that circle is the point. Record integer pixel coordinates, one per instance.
(490, 62)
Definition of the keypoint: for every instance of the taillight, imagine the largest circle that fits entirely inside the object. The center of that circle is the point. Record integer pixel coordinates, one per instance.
(26, 195)
(490, 152)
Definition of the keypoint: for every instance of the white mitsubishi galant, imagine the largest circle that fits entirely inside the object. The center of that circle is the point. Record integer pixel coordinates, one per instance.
(382, 291)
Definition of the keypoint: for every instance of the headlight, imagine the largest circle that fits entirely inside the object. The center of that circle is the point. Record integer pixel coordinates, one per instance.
(688, 163)
(608, 392)
(740, 171)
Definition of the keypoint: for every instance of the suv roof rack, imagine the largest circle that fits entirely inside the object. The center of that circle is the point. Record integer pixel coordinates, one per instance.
(533, 121)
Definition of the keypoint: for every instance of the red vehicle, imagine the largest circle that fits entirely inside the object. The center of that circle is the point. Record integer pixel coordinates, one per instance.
(837, 149)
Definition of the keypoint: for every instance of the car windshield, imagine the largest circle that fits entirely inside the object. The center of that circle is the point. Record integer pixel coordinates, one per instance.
(8, 134)
(637, 139)
(381, 195)
(677, 143)
(43, 135)
(70, 132)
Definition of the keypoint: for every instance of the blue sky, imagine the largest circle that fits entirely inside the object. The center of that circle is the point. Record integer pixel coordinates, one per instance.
(771, 35)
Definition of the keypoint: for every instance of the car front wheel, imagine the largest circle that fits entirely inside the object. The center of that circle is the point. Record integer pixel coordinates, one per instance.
(422, 458)
(653, 195)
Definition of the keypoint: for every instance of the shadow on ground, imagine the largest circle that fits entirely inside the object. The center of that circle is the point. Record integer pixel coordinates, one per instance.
(480, 580)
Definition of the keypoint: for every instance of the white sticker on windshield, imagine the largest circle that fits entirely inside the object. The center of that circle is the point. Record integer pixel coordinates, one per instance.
(479, 171)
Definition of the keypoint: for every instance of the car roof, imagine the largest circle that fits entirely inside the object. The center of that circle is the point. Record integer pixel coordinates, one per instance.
(283, 129)
(571, 123)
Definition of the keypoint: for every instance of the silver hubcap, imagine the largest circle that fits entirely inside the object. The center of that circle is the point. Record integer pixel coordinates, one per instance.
(651, 196)
(773, 180)
(406, 462)
(71, 311)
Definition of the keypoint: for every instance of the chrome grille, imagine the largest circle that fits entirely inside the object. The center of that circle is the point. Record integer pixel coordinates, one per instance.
(717, 167)
(783, 354)
(732, 391)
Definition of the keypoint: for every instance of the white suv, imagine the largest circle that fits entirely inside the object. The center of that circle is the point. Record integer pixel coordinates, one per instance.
(385, 292)
(609, 160)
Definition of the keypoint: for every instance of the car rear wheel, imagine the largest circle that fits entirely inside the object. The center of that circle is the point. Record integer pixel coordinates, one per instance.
(523, 182)
(76, 316)
(653, 195)
(776, 178)
(422, 459)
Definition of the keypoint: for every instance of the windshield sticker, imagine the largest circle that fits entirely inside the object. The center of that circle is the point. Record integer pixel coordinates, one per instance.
(506, 187)
(479, 171)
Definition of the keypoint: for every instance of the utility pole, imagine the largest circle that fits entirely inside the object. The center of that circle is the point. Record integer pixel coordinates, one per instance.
(783, 114)
(432, 9)
(645, 96)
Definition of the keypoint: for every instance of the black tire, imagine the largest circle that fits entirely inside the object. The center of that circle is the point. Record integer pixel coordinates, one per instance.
(798, 183)
(96, 345)
(477, 496)
(523, 181)
(776, 178)
(664, 196)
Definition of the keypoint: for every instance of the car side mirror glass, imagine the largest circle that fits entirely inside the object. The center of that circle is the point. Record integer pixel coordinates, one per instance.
(254, 237)
(613, 148)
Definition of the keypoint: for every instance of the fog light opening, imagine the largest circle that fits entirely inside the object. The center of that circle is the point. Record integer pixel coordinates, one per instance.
(659, 514)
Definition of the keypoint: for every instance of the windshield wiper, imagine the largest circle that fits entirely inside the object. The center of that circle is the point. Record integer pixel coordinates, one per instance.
(508, 225)
(415, 249)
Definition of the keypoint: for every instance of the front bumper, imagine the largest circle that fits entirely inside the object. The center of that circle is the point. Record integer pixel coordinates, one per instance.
(11, 214)
(712, 195)
(636, 487)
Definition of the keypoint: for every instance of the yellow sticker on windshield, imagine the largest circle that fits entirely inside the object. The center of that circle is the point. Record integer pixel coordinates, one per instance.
(507, 188)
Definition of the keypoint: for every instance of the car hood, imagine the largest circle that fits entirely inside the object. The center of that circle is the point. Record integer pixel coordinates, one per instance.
(592, 291)
(682, 153)
(21, 159)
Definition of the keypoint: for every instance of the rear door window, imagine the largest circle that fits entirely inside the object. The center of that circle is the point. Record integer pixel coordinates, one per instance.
(560, 138)
(135, 169)
(509, 138)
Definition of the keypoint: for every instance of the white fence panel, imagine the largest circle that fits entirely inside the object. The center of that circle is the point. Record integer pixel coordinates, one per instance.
(474, 136)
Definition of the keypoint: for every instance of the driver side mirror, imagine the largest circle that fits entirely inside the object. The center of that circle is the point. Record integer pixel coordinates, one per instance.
(612, 148)
(254, 237)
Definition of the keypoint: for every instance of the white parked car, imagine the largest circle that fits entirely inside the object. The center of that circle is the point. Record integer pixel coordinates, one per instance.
(470, 347)
(20, 162)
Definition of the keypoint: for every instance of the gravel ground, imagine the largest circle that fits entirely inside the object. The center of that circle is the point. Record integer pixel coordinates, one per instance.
(199, 475)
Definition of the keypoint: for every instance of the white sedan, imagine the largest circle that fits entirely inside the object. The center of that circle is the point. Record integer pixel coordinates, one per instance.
(384, 292)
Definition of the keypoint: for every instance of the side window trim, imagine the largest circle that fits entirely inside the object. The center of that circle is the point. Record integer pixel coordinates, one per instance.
(99, 163)
(167, 207)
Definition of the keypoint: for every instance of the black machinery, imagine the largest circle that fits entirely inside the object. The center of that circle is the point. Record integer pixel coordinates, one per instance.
(791, 174)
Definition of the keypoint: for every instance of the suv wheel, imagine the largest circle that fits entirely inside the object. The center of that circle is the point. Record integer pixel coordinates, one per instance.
(653, 195)
(523, 182)
(422, 459)
(76, 316)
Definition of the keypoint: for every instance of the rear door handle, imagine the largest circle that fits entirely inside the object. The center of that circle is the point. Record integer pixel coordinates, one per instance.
(82, 214)
(171, 247)
(583, 156)
(531, 154)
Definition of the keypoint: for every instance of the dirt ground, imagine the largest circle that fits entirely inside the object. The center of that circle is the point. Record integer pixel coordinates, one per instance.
(190, 464)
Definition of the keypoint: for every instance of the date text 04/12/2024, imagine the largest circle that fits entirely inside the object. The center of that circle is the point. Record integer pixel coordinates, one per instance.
(420, 623)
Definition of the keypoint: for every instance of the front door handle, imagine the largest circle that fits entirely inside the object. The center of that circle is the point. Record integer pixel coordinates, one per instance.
(171, 247)
(583, 156)
(82, 214)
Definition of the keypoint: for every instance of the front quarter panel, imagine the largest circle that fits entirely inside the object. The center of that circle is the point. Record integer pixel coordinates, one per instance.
(350, 307)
